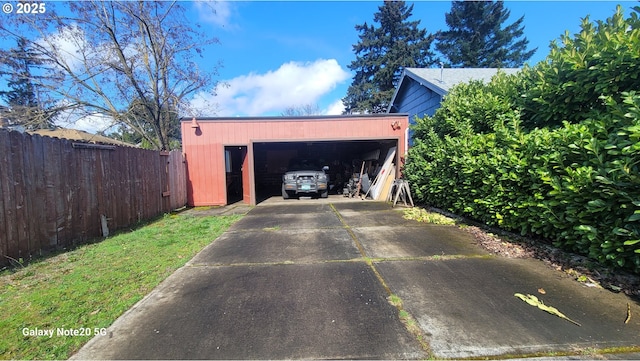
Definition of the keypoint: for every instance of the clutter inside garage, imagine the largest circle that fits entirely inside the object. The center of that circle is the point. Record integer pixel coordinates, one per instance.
(357, 168)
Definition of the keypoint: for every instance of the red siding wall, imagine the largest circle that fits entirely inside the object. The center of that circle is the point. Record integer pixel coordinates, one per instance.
(204, 145)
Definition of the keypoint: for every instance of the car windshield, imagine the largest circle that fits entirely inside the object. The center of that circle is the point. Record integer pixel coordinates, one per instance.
(304, 164)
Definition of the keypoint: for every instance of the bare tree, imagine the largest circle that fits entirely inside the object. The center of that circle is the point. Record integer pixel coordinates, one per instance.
(302, 110)
(108, 55)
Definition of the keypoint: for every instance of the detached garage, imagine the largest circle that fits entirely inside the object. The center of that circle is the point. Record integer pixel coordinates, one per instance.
(244, 158)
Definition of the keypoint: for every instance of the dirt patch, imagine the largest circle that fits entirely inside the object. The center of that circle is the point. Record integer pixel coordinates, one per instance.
(498, 246)
(582, 269)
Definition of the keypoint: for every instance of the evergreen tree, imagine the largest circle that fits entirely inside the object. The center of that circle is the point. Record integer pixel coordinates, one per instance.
(476, 38)
(381, 54)
(22, 104)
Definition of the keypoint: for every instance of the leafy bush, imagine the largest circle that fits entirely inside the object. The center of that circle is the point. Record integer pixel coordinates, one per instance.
(594, 203)
(472, 107)
(578, 185)
(603, 59)
(575, 182)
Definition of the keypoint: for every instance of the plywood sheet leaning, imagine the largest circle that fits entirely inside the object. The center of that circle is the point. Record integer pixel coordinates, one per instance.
(378, 183)
(387, 184)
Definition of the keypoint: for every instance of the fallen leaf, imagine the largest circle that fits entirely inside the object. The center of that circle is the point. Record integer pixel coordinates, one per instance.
(534, 301)
(95, 312)
(542, 291)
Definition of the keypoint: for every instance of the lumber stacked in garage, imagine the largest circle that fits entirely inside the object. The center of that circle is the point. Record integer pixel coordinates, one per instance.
(381, 185)
(385, 194)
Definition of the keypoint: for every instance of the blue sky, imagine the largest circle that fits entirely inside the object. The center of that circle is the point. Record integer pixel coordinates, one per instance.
(279, 54)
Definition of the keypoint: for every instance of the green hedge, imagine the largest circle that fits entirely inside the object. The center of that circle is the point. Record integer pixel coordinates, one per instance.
(575, 180)
(602, 59)
(578, 185)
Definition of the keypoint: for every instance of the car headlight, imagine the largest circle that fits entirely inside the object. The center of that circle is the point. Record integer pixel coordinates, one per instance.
(289, 177)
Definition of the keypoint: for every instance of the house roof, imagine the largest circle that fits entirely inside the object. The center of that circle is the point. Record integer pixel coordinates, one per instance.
(78, 135)
(441, 80)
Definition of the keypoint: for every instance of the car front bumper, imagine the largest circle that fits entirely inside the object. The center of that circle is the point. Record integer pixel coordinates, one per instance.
(306, 187)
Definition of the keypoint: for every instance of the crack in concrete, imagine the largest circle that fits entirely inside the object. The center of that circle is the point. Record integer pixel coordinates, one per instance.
(405, 316)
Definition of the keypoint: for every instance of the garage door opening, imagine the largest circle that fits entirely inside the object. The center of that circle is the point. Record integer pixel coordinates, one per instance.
(344, 158)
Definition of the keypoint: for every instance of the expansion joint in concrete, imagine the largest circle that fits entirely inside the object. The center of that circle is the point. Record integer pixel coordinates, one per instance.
(405, 317)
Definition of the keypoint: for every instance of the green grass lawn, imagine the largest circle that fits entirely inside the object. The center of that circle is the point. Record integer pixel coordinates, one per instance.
(88, 288)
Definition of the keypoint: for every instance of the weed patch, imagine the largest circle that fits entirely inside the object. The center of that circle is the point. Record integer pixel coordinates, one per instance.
(422, 215)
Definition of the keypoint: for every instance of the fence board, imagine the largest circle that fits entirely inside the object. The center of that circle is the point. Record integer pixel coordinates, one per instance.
(77, 190)
(125, 191)
(112, 177)
(52, 176)
(101, 187)
(141, 186)
(92, 221)
(5, 150)
(52, 194)
(20, 240)
(64, 202)
(37, 207)
(26, 163)
(136, 187)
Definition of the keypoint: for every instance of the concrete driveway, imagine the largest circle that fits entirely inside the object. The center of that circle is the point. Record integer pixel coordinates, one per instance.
(311, 279)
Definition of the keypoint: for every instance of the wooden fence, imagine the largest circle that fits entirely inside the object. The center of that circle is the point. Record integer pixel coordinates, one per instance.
(55, 193)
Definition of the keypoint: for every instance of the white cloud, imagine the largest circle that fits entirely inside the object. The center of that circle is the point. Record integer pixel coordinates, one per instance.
(72, 47)
(93, 123)
(335, 108)
(292, 84)
(215, 12)
(67, 43)
(89, 122)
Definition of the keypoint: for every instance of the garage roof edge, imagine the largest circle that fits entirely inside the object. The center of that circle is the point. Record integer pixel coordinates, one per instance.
(301, 118)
